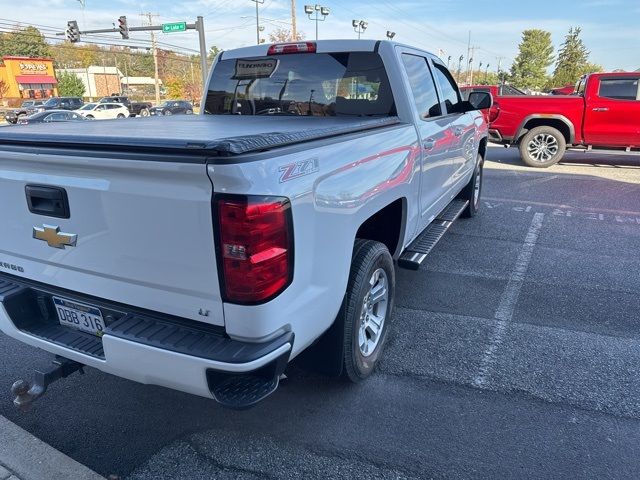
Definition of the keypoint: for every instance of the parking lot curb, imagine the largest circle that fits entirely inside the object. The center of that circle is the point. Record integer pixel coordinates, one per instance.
(25, 457)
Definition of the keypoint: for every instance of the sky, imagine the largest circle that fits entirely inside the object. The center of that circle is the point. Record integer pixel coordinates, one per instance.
(609, 27)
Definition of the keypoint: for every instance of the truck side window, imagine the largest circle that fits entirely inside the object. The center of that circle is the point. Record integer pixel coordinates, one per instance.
(619, 88)
(422, 86)
(450, 93)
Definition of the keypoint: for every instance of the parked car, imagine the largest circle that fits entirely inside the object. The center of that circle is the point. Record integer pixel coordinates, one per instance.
(51, 116)
(13, 115)
(57, 103)
(135, 108)
(265, 227)
(172, 107)
(566, 90)
(103, 111)
(603, 113)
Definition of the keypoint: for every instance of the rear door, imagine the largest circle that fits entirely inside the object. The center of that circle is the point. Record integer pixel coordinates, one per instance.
(143, 226)
(612, 116)
(460, 125)
(434, 135)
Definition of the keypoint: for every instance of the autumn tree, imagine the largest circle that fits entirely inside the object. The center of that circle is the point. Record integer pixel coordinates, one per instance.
(573, 60)
(280, 35)
(4, 88)
(535, 56)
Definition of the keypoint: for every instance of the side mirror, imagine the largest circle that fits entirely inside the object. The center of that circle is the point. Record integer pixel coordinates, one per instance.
(480, 100)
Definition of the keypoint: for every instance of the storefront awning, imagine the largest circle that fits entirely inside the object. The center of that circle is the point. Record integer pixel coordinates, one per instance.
(24, 79)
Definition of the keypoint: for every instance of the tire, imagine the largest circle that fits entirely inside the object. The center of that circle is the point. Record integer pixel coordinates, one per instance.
(144, 112)
(168, 112)
(473, 190)
(189, 112)
(120, 115)
(361, 351)
(542, 147)
(90, 117)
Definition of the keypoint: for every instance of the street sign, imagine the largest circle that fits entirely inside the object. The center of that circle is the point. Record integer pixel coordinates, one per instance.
(174, 27)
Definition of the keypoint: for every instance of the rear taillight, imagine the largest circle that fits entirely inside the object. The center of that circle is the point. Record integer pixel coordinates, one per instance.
(298, 47)
(494, 111)
(255, 245)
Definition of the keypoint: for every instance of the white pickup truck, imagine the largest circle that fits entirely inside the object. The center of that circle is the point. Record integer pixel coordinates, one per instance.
(203, 253)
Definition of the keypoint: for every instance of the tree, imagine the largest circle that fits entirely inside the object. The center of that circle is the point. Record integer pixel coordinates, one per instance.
(175, 87)
(535, 56)
(25, 42)
(280, 35)
(70, 85)
(4, 88)
(573, 60)
(213, 52)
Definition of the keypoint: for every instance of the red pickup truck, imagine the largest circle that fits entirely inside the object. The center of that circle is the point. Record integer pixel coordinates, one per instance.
(604, 112)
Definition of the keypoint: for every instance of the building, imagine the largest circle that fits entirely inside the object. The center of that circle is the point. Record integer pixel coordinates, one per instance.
(139, 86)
(25, 77)
(98, 81)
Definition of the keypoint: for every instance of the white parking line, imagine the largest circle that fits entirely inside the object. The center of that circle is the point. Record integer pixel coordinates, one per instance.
(509, 299)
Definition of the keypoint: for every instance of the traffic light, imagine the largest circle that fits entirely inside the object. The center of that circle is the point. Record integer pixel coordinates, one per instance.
(73, 32)
(123, 27)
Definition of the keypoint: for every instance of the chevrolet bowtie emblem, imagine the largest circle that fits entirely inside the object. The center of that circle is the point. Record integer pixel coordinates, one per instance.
(54, 237)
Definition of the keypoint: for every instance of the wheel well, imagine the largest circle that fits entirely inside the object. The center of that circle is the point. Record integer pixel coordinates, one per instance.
(558, 124)
(482, 148)
(386, 226)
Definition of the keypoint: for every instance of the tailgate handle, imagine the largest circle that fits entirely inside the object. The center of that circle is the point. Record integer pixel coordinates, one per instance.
(49, 201)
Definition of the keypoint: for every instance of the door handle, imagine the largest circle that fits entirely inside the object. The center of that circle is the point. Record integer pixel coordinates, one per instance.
(600, 109)
(429, 144)
(48, 201)
(458, 131)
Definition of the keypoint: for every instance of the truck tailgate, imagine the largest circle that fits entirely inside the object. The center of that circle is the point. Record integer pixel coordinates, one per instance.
(144, 230)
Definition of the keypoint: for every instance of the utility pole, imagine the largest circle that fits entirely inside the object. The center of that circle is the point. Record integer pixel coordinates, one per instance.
(470, 79)
(469, 54)
(154, 48)
(294, 31)
(258, 3)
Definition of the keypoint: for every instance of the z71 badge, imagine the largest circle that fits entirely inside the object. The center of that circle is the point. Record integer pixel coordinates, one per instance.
(298, 169)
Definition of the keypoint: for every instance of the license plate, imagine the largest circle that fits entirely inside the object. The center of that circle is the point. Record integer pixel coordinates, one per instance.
(79, 316)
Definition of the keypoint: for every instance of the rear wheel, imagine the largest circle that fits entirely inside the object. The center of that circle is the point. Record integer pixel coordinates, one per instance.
(144, 112)
(473, 190)
(366, 309)
(90, 117)
(542, 147)
(189, 112)
(120, 115)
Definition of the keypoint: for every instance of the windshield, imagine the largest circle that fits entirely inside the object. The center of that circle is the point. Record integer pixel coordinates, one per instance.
(88, 106)
(166, 104)
(322, 85)
(52, 102)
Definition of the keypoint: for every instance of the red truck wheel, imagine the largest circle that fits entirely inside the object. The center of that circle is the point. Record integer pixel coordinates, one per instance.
(542, 147)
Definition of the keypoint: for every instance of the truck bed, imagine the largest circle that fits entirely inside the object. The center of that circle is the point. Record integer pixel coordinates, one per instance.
(199, 134)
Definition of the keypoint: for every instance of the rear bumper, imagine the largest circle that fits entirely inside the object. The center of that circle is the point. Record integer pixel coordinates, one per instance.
(495, 136)
(173, 353)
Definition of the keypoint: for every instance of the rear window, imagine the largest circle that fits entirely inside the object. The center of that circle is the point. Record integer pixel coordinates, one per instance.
(321, 85)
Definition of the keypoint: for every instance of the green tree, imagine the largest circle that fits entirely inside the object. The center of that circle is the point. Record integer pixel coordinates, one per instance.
(27, 42)
(213, 51)
(573, 60)
(70, 85)
(535, 56)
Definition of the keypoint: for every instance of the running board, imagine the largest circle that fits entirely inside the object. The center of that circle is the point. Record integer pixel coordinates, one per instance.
(417, 252)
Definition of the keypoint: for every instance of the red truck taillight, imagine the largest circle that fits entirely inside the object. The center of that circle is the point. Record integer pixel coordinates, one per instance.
(255, 247)
(494, 111)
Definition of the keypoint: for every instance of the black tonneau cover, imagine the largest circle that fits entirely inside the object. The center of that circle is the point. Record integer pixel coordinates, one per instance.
(210, 134)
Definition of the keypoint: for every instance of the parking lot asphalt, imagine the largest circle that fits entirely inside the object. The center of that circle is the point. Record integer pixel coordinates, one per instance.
(514, 353)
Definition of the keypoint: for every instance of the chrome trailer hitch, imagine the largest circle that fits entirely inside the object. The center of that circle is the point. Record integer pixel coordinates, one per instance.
(27, 392)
